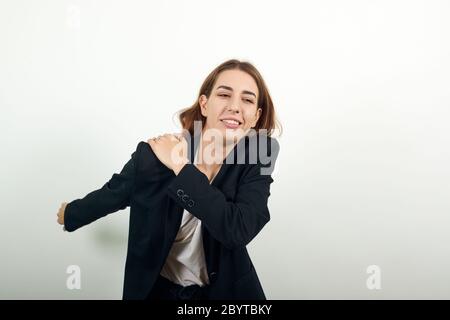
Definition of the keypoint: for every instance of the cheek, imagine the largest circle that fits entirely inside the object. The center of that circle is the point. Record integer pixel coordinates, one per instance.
(212, 111)
(213, 118)
(249, 116)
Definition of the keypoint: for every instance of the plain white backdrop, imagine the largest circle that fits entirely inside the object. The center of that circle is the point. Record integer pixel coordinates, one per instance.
(362, 91)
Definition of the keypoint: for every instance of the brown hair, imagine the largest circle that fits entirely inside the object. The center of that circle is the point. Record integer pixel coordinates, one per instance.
(267, 120)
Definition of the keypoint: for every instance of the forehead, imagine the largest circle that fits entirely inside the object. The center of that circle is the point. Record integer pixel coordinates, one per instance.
(238, 80)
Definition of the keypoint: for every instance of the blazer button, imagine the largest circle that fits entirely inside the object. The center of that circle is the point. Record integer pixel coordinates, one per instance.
(180, 192)
(185, 197)
(212, 277)
(191, 203)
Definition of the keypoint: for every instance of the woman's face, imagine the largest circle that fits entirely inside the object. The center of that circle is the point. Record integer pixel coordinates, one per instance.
(232, 105)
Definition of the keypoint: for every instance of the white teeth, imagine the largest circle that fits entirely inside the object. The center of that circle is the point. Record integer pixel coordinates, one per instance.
(231, 121)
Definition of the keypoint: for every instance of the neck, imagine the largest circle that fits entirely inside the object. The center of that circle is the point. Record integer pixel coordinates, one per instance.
(211, 153)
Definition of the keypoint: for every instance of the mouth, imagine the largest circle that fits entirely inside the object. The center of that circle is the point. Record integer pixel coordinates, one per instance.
(231, 124)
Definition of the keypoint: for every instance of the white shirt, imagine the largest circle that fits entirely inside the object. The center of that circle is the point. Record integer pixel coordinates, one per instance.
(185, 264)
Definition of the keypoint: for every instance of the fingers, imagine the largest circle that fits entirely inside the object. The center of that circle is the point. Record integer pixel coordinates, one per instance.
(164, 137)
(170, 136)
(178, 136)
(60, 213)
(152, 141)
(155, 139)
(175, 137)
(59, 220)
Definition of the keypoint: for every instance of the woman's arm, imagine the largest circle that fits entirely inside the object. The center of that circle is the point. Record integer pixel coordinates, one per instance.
(234, 224)
(113, 196)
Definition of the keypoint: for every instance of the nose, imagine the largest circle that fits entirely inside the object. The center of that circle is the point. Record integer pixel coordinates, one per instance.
(233, 107)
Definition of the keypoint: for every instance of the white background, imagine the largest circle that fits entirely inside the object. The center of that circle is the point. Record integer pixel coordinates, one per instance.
(361, 88)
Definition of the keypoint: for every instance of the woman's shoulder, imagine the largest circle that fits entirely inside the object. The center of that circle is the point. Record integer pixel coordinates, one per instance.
(146, 159)
(259, 149)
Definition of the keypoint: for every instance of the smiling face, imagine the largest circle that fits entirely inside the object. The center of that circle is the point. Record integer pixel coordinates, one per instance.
(231, 107)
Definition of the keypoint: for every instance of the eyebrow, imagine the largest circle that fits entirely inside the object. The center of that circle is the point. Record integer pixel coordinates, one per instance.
(231, 89)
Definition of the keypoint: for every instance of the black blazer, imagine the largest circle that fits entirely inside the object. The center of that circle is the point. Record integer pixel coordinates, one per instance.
(233, 209)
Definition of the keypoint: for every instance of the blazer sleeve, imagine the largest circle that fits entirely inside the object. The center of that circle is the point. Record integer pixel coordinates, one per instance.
(233, 223)
(113, 196)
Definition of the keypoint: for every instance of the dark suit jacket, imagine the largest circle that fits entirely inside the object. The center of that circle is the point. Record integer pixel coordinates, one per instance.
(233, 209)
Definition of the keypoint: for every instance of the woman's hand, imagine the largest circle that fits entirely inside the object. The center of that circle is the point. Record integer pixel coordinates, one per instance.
(61, 213)
(171, 150)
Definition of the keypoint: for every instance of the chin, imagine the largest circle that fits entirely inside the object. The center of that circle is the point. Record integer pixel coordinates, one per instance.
(232, 136)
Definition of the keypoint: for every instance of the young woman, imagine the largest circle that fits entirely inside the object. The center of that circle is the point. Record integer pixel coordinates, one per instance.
(198, 198)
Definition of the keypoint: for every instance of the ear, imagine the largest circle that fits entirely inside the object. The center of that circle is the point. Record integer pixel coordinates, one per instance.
(202, 102)
(257, 116)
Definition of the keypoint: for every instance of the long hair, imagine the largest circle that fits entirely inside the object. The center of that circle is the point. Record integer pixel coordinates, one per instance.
(267, 120)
